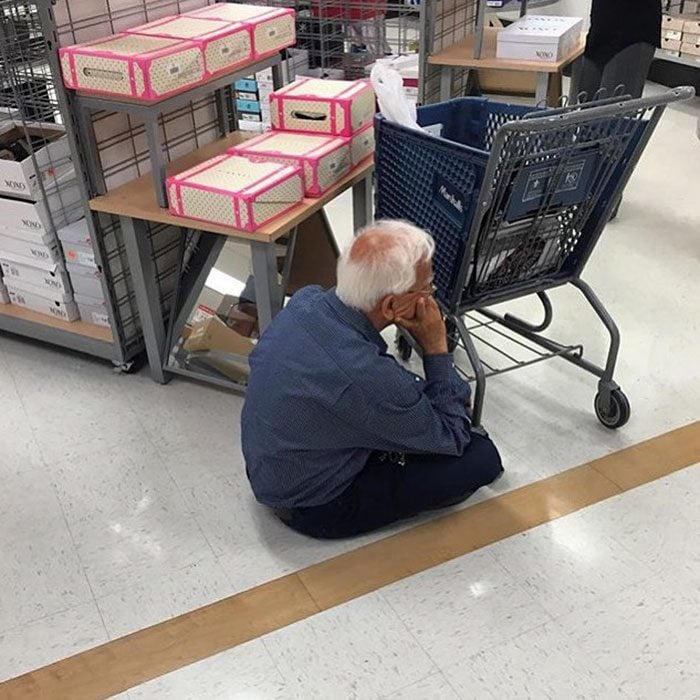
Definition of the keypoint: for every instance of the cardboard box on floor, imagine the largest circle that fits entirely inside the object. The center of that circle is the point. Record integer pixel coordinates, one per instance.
(214, 334)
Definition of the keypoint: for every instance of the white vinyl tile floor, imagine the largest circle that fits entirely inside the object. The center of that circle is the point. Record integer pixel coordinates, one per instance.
(124, 503)
(582, 607)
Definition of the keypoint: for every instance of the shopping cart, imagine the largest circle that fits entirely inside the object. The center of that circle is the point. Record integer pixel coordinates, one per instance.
(516, 201)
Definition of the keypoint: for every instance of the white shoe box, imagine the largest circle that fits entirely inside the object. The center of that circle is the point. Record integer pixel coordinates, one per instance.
(44, 275)
(62, 296)
(544, 38)
(86, 281)
(42, 252)
(77, 244)
(67, 311)
(92, 310)
(62, 200)
(22, 178)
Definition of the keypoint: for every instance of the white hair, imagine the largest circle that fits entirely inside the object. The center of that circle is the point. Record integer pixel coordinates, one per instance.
(381, 260)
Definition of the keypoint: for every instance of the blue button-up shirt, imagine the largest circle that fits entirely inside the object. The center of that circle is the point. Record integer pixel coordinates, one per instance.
(324, 394)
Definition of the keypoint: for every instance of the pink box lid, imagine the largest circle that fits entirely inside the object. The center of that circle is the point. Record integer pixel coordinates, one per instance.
(304, 88)
(312, 145)
(200, 27)
(160, 46)
(234, 12)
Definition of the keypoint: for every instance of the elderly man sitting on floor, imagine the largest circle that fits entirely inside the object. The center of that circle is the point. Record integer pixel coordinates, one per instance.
(338, 438)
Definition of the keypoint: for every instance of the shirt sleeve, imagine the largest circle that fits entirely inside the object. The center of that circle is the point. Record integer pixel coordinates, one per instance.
(402, 413)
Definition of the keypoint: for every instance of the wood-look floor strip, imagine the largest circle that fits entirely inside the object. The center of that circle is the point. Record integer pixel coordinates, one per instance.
(149, 653)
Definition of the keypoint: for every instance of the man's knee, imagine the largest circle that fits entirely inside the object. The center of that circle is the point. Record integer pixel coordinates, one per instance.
(482, 461)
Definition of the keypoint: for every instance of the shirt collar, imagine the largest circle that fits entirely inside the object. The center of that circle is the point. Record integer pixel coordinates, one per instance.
(356, 319)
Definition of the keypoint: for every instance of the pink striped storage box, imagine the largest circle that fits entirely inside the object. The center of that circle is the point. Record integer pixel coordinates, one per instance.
(225, 45)
(335, 107)
(234, 191)
(323, 159)
(272, 28)
(362, 144)
(143, 67)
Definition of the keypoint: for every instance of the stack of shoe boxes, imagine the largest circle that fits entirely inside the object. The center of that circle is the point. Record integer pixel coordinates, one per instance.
(30, 255)
(690, 40)
(252, 94)
(680, 33)
(85, 275)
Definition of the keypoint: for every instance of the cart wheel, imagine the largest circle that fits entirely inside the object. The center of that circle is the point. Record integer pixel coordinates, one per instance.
(617, 413)
(404, 348)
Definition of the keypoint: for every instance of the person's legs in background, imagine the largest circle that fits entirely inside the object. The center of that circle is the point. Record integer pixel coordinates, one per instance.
(388, 491)
(585, 81)
(628, 68)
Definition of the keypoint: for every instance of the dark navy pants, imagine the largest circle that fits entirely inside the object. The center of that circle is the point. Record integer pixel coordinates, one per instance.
(387, 491)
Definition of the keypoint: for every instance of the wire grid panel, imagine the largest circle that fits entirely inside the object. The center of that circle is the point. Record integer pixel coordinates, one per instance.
(445, 23)
(548, 197)
(345, 37)
(123, 153)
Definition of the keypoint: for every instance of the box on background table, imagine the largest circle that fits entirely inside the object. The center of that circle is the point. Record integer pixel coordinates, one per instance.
(20, 178)
(67, 311)
(323, 159)
(129, 65)
(46, 275)
(43, 252)
(539, 38)
(333, 107)
(225, 45)
(272, 28)
(234, 191)
(362, 144)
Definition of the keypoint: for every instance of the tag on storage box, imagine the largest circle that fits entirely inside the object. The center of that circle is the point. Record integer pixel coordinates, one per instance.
(335, 107)
(323, 159)
(143, 67)
(225, 45)
(272, 28)
(235, 191)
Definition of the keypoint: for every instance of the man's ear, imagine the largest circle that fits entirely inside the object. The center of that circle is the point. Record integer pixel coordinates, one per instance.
(388, 307)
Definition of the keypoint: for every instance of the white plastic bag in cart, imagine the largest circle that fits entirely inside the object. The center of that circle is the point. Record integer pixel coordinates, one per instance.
(391, 94)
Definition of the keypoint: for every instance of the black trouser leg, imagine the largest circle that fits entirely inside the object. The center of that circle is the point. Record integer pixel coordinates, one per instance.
(384, 492)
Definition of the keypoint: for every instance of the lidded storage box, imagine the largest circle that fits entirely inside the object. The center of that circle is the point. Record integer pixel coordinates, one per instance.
(362, 144)
(539, 38)
(335, 107)
(272, 28)
(225, 45)
(323, 159)
(131, 65)
(234, 191)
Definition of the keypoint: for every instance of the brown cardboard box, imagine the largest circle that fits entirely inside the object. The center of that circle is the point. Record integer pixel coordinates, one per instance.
(670, 45)
(672, 35)
(690, 38)
(691, 24)
(672, 23)
(690, 49)
(214, 334)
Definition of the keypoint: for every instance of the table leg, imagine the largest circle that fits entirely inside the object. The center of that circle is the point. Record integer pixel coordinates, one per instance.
(155, 153)
(542, 88)
(143, 277)
(268, 294)
(362, 203)
(445, 83)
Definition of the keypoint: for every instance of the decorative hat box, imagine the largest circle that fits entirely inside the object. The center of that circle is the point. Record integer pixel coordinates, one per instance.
(272, 28)
(142, 67)
(225, 45)
(234, 191)
(323, 159)
(335, 107)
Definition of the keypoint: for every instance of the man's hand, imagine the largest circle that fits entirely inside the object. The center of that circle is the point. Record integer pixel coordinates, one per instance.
(427, 327)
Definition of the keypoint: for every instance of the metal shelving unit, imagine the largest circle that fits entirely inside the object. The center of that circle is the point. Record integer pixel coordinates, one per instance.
(112, 143)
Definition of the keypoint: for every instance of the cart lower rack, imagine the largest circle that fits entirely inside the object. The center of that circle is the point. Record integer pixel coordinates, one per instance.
(516, 201)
